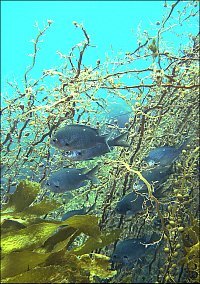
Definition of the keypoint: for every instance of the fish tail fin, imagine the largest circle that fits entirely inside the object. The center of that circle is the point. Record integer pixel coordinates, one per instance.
(119, 140)
(105, 138)
(91, 173)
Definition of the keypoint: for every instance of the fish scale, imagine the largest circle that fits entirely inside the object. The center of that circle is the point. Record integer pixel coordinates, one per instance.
(70, 178)
(76, 137)
(128, 251)
(98, 150)
(165, 155)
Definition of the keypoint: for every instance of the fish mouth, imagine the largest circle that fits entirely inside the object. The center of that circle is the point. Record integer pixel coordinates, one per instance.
(53, 143)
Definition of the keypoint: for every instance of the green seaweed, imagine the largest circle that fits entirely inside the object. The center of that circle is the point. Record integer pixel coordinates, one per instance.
(191, 246)
(18, 262)
(29, 238)
(92, 244)
(38, 252)
(24, 195)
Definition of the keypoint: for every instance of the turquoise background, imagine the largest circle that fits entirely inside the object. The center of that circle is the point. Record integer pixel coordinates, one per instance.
(110, 24)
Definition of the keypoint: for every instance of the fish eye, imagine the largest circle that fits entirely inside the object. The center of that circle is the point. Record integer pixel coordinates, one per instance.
(79, 153)
(48, 183)
(125, 259)
(114, 256)
(55, 139)
(66, 144)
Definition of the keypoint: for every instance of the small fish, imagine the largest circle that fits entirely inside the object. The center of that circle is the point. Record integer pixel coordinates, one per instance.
(156, 177)
(121, 119)
(98, 150)
(164, 156)
(76, 137)
(119, 141)
(70, 178)
(73, 212)
(128, 251)
(133, 202)
(3, 181)
(130, 204)
(81, 211)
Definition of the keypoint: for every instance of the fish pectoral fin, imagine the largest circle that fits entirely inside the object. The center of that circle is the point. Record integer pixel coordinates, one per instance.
(56, 183)
(129, 213)
(74, 140)
(105, 138)
(83, 183)
(91, 173)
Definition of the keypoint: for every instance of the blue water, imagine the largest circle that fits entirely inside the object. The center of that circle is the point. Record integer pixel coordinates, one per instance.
(112, 26)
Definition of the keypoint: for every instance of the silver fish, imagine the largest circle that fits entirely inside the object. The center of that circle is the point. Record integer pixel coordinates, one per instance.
(70, 178)
(76, 137)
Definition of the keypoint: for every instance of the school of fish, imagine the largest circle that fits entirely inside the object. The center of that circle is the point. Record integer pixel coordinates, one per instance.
(82, 143)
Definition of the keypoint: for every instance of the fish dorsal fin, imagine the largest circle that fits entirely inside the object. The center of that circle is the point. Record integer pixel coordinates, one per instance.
(84, 126)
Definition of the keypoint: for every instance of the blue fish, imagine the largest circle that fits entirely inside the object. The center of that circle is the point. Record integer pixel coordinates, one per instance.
(81, 211)
(121, 119)
(156, 177)
(99, 150)
(76, 136)
(164, 156)
(133, 202)
(129, 251)
(130, 204)
(3, 180)
(70, 178)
